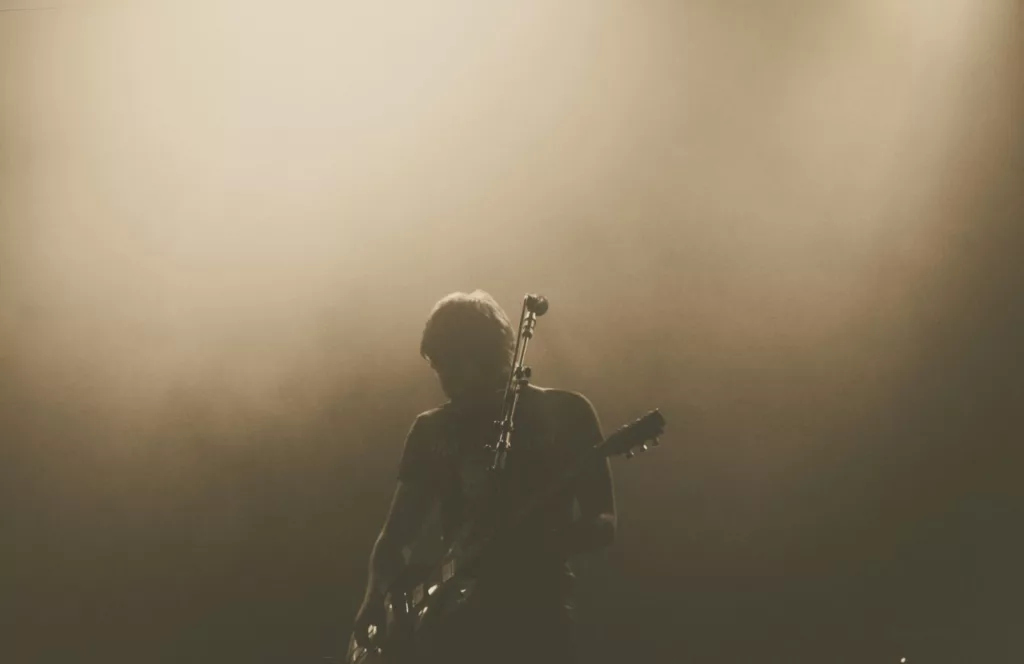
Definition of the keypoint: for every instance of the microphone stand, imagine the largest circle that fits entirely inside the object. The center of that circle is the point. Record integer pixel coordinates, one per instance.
(518, 378)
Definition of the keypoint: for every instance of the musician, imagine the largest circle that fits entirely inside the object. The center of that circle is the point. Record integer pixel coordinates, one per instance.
(521, 608)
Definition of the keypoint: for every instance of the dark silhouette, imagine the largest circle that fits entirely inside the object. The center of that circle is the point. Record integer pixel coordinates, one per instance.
(522, 603)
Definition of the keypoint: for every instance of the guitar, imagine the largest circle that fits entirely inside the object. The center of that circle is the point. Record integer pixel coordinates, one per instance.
(421, 600)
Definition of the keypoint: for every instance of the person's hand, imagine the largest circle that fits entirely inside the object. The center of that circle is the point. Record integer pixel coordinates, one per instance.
(370, 613)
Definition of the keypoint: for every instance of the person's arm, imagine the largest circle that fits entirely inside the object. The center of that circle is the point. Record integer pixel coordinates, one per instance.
(413, 499)
(409, 506)
(597, 524)
(595, 494)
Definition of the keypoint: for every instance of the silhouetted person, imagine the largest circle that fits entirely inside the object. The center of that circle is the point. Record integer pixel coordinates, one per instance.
(521, 609)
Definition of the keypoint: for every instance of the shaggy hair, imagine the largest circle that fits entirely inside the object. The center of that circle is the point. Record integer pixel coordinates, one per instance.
(468, 327)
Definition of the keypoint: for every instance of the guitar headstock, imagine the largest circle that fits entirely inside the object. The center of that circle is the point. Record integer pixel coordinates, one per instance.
(640, 434)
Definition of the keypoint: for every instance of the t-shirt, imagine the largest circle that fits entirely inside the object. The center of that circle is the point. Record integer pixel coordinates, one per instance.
(446, 448)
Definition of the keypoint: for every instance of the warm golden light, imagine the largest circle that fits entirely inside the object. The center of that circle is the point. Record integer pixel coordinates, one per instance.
(223, 223)
(198, 185)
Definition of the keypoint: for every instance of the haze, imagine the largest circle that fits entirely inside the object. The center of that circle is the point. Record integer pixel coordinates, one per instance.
(792, 226)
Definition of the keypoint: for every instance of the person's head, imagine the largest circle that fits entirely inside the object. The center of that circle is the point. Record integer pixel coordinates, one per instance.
(469, 342)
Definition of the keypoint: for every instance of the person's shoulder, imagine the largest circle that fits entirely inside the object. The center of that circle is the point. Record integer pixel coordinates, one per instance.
(571, 413)
(564, 400)
(433, 414)
(421, 455)
(432, 418)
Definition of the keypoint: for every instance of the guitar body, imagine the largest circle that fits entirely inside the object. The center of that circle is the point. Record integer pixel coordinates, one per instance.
(419, 622)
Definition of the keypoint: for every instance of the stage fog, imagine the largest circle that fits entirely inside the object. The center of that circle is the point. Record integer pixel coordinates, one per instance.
(794, 227)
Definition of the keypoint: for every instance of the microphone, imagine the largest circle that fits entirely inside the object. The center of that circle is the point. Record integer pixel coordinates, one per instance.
(537, 304)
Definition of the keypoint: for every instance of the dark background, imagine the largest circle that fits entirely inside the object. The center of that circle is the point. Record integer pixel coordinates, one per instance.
(794, 228)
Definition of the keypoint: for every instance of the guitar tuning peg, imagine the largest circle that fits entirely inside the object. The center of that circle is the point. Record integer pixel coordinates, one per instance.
(656, 442)
(643, 448)
(630, 454)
